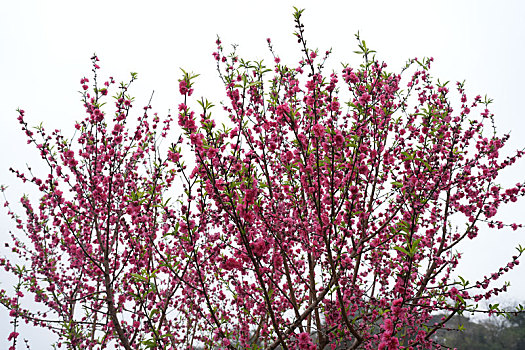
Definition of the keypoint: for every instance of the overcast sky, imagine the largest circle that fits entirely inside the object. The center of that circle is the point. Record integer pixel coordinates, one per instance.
(45, 48)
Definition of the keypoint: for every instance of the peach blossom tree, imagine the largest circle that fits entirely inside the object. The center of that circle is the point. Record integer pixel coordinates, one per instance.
(326, 213)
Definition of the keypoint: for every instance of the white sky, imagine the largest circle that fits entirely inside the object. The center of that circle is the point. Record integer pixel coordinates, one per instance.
(45, 48)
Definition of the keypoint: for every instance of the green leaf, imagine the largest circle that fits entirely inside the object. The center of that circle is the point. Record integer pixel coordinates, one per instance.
(297, 14)
(493, 307)
(402, 250)
(425, 163)
(139, 277)
(403, 226)
(464, 283)
(150, 343)
(414, 246)
(153, 312)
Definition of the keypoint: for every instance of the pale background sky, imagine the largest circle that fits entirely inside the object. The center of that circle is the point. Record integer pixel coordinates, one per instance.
(45, 48)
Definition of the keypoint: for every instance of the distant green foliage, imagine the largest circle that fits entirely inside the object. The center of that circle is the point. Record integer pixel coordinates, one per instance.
(496, 333)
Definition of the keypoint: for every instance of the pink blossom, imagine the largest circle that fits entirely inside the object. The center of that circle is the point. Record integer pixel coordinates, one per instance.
(318, 130)
(364, 99)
